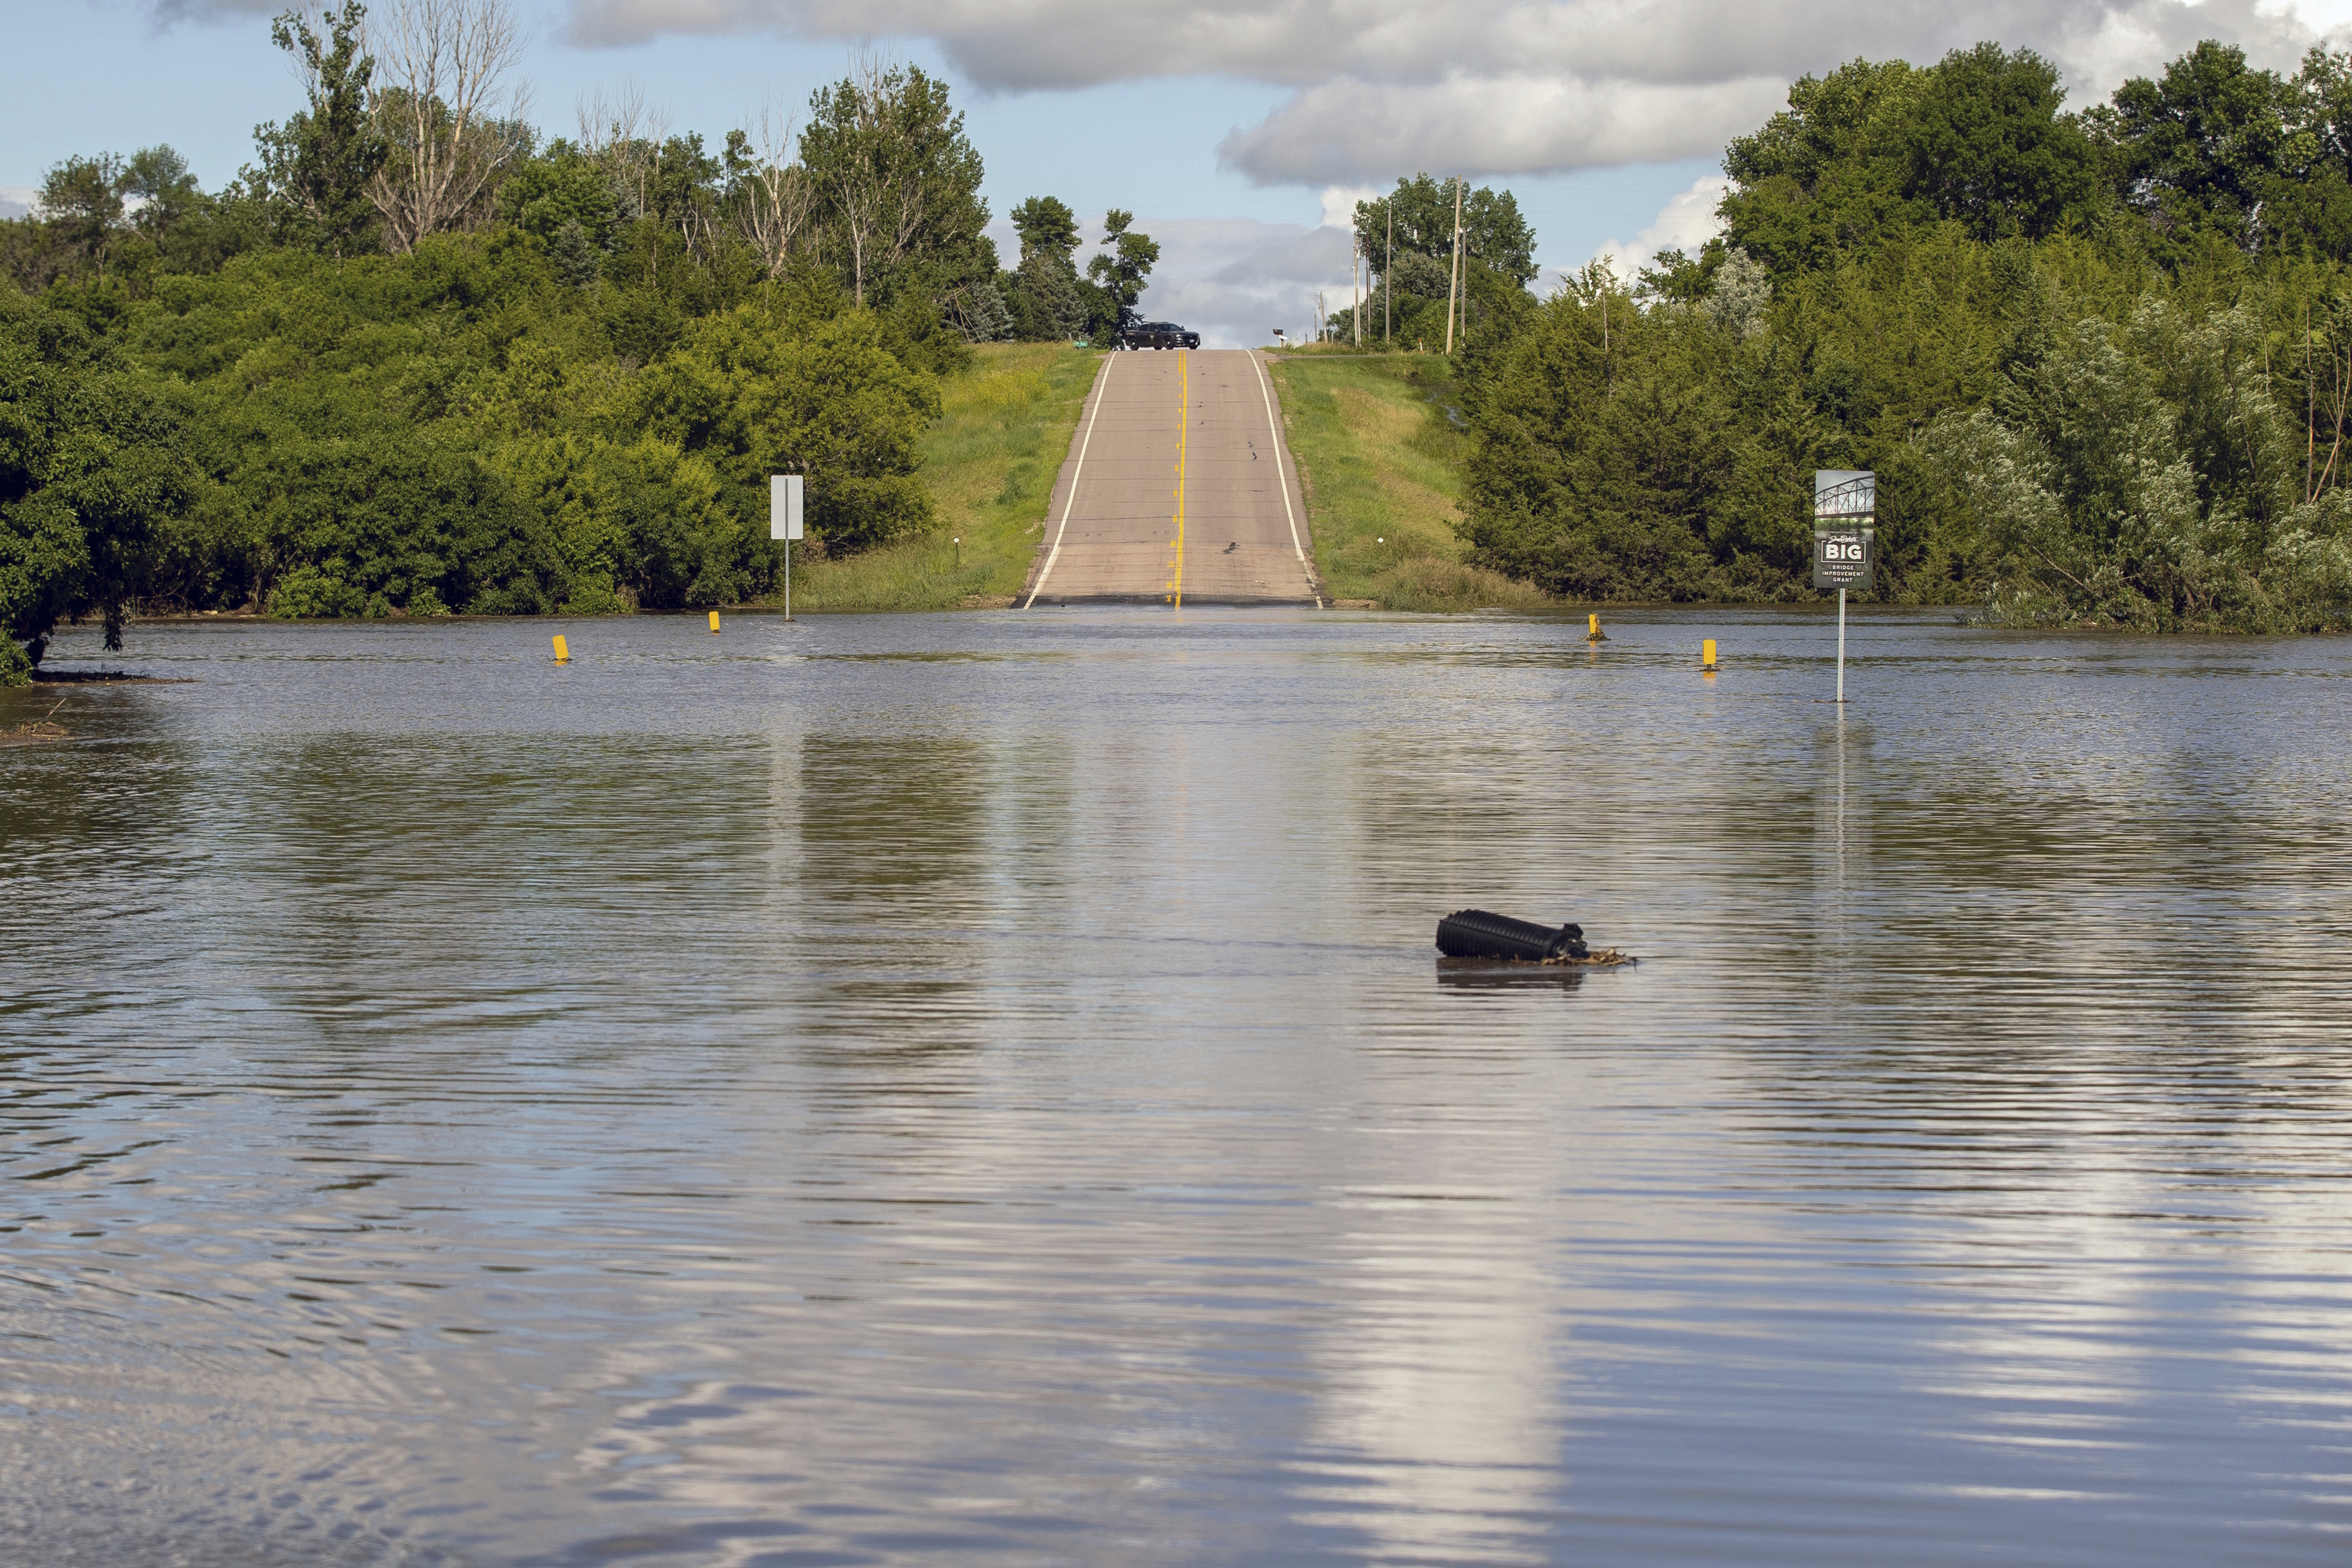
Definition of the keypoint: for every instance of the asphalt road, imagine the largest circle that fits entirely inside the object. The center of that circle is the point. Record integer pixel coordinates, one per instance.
(1177, 489)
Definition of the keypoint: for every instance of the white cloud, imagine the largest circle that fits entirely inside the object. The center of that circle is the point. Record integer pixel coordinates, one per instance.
(1339, 203)
(1683, 223)
(1480, 87)
(1498, 125)
(16, 201)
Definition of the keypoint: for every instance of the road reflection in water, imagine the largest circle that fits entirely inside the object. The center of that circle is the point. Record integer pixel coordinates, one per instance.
(977, 1088)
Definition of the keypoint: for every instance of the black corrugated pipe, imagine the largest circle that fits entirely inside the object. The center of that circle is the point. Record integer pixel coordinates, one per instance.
(1475, 934)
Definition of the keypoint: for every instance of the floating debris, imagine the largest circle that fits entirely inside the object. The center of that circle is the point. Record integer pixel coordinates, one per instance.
(1607, 958)
(1479, 933)
(106, 678)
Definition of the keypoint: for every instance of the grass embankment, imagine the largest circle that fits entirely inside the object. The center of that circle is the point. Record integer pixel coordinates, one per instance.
(1382, 467)
(990, 463)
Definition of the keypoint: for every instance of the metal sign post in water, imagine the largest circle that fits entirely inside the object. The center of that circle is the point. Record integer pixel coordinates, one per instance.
(1845, 510)
(784, 523)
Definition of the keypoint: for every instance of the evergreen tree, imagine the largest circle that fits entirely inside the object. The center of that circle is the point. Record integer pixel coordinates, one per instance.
(573, 257)
(1043, 293)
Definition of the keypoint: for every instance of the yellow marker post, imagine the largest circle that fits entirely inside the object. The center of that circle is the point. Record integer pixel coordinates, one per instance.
(1592, 632)
(714, 623)
(562, 650)
(1707, 655)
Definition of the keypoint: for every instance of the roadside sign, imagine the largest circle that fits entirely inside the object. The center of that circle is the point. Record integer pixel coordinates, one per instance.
(1842, 557)
(1845, 506)
(784, 507)
(1845, 542)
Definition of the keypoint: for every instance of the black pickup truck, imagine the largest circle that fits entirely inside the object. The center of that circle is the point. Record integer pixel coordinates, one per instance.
(1158, 335)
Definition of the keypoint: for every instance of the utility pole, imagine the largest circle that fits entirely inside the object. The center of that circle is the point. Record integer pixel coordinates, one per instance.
(1454, 286)
(1388, 272)
(1355, 284)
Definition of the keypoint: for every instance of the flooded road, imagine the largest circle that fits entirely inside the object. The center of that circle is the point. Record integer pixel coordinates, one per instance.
(977, 1088)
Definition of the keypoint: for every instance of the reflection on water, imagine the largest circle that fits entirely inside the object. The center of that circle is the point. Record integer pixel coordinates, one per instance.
(979, 1089)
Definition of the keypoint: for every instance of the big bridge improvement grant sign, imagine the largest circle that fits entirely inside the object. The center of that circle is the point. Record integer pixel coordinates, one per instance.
(1845, 506)
(1845, 512)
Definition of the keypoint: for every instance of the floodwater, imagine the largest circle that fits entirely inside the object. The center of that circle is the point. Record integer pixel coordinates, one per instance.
(977, 1088)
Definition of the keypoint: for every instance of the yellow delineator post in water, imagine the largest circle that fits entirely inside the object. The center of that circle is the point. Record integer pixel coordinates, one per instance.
(714, 623)
(1706, 654)
(1592, 632)
(562, 650)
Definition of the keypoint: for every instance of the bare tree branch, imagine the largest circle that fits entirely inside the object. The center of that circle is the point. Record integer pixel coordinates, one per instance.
(776, 195)
(441, 65)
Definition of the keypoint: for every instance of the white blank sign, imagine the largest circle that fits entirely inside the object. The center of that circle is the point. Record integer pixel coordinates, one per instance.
(785, 506)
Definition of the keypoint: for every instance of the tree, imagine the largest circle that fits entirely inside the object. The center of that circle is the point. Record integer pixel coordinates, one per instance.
(2199, 148)
(1494, 235)
(1042, 295)
(1832, 123)
(770, 196)
(81, 199)
(618, 135)
(566, 187)
(126, 219)
(835, 404)
(1045, 298)
(898, 179)
(681, 190)
(319, 166)
(575, 259)
(158, 180)
(90, 471)
(1122, 272)
(1872, 149)
(1986, 146)
(441, 64)
(1045, 224)
(1823, 174)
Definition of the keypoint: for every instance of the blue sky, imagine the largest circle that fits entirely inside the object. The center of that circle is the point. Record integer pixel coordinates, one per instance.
(1237, 133)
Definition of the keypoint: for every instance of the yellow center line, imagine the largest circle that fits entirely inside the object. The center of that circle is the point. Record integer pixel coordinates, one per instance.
(1183, 424)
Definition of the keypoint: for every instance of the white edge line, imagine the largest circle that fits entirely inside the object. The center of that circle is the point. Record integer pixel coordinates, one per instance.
(1069, 502)
(1274, 430)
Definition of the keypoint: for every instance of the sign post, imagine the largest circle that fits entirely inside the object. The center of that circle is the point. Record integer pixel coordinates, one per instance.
(1845, 547)
(784, 523)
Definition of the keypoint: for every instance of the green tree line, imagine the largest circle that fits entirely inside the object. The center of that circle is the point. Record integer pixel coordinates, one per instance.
(1407, 236)
(2101, 360)
(418, 359)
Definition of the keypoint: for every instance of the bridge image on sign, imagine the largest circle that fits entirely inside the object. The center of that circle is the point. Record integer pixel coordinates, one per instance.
(1844, 493)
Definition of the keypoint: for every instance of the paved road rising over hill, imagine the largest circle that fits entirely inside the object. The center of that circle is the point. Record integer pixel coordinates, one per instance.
(1177, 489)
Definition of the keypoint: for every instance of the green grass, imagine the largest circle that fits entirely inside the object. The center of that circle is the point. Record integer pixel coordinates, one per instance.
(1381, 464)
(990, 462)
(1382, 467)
